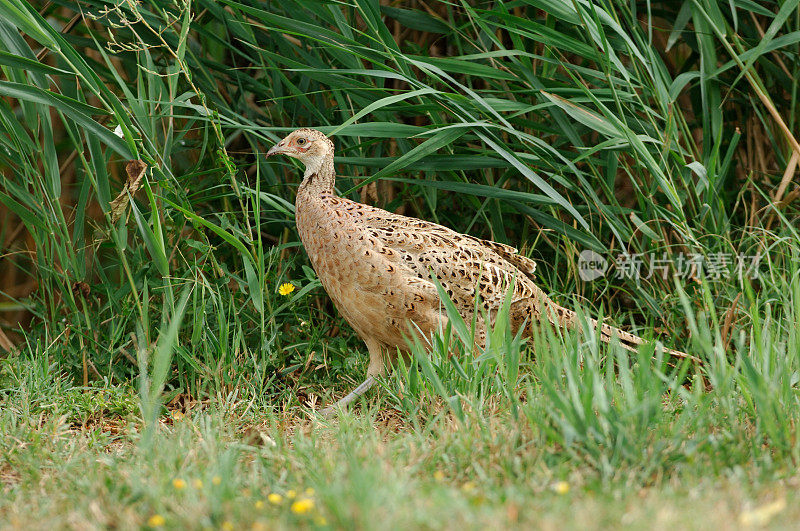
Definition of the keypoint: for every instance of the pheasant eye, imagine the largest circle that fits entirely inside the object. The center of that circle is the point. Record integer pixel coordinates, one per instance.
(301, 141)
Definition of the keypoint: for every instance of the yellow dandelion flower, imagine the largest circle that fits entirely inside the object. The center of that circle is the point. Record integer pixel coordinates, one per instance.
(156, 520)
(197, 483)
(291, 494)
(561, 487)
(259, 504)
(216, 480)
(320, 520)
(469, 486)
(438, 475)
(227, 526)
(302, 506)
(286, 288)
(179, 484)
(309, 492)
(275, 498)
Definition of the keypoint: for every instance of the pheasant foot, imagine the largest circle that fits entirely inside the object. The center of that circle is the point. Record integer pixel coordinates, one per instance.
(365, 386)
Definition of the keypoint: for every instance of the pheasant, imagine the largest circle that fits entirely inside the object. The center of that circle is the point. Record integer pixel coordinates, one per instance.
(378, 268)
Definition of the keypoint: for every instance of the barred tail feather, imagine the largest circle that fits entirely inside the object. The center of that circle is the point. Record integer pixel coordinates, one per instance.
(568, 319)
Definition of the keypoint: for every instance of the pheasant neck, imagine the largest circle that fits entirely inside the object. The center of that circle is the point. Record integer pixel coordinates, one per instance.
(319, 177)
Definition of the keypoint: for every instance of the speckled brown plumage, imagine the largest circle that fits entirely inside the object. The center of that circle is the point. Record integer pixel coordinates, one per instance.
(377, 266)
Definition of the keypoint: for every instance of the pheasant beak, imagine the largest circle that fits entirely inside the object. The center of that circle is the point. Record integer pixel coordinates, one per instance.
(277, 149)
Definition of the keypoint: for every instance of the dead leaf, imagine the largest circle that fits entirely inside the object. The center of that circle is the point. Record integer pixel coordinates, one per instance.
(135, 170)
(81, 289)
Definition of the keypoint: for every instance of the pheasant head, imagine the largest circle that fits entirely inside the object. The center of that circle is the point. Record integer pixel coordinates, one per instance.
(310, 147)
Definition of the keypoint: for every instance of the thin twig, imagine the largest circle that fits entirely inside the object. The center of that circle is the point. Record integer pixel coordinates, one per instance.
(777, 200)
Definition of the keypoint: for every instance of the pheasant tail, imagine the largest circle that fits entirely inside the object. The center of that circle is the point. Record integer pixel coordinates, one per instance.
(530, 311)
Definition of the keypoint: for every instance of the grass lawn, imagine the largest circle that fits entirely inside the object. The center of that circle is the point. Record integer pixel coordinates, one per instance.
(221, 467)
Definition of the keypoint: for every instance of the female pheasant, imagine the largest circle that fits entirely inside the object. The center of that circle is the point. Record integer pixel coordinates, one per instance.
(377, 267)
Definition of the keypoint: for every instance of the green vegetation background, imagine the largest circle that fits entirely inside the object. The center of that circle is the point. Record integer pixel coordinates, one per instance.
(665, 129)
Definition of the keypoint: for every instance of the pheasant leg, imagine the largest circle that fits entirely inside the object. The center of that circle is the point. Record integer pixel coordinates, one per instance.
(365, 386)
(377, 367)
